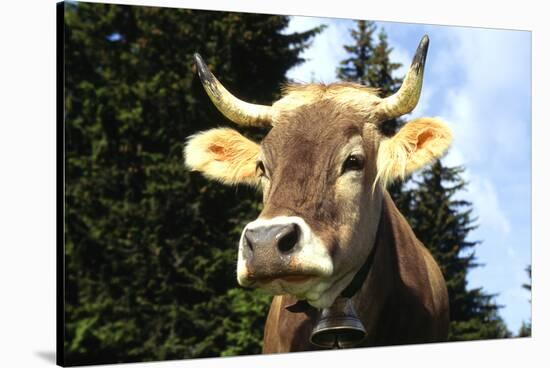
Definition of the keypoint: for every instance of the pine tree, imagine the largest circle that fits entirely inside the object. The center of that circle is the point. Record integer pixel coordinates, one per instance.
(150, 249)
(369, 64)
(525, 329)
(443, 223)
(355, 68)
(528, 286)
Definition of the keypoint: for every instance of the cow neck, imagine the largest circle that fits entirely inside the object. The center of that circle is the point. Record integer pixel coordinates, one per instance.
(360, 277)
(302, 306)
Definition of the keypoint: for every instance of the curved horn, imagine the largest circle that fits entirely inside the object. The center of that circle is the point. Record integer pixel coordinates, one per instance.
(405, 100)
(238, 111)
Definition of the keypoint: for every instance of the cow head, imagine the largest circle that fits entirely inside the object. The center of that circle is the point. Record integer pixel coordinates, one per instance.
(322, 168)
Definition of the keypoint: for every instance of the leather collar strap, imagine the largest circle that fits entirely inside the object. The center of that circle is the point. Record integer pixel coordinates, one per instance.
(360, 276)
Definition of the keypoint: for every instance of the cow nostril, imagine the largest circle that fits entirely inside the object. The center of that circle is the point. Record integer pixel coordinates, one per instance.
(288, 238)
(248, 242)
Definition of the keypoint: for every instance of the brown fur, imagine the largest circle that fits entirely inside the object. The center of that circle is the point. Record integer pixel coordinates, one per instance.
(403, 301)
(344, 96)
(305, 187)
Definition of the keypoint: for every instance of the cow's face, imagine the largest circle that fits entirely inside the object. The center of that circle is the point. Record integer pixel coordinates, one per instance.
(316, 169)
(322, 169)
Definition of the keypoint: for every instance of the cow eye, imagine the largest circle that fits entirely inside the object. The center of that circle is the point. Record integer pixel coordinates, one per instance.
(260, 169)
(353, 162)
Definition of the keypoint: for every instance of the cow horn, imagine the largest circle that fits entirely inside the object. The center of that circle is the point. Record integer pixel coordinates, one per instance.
(405, 100)
(238, 111)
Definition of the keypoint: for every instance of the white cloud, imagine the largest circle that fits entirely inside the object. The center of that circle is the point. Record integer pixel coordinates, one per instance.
(483, 81)
(496, 72)
(459, 111)
(482, 193)
(323, 57)
(402, 56)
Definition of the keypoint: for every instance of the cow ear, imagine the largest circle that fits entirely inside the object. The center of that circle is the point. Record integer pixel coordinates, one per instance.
(223, 154)
(418, 143)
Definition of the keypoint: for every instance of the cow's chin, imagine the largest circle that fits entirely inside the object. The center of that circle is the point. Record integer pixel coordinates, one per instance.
(325, 291)
(298, 286)
(318, 291)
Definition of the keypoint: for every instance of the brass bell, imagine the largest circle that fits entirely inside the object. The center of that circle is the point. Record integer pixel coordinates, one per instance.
(338, 326)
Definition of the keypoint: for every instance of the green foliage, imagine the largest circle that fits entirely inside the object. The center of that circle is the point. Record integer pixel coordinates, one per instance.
(356, 68)
(525, 329)
(249, 310)
(150, 247)
(528, 286)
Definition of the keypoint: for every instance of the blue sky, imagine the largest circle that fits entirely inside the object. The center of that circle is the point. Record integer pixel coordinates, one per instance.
(479, 81)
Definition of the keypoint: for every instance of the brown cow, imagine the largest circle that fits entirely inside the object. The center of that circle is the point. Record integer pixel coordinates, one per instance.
(328, 224)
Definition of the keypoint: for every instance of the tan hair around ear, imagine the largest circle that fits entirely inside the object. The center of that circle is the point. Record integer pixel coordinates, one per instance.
(223, 154)
(417, 144)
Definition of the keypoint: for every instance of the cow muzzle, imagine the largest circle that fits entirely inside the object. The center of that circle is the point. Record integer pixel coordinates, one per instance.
(269, 250)
(273, 240)
(281, 250)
